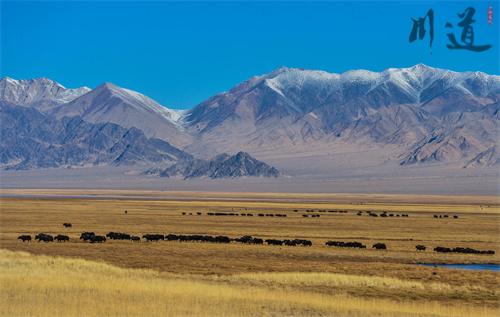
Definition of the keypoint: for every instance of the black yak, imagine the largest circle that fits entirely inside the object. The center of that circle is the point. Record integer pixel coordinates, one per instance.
(24, 238)
(274, 242)
(86, 236)
(118, 236)
(97, 239)
(342, 244)
(379, 246)
(44, 237)
(61, 238)
(420, 247)
(153, 237)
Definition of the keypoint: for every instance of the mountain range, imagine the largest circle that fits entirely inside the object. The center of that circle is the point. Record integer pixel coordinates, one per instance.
(431, 114)
(419, 115)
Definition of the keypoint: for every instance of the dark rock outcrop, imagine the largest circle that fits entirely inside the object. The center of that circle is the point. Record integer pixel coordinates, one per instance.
(221, 166)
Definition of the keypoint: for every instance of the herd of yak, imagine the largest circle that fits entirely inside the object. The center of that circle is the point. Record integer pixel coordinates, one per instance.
(419, 247)
(355, 244)
(237, 214)
(94, 238)
(383, 214)
(91, 237)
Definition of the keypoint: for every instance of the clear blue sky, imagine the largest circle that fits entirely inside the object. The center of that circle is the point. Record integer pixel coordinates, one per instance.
(183, 53)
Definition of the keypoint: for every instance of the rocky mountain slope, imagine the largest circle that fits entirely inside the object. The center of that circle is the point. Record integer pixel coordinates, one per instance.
(487, 158)
(221, 166)
(30, 140)
(432, 114)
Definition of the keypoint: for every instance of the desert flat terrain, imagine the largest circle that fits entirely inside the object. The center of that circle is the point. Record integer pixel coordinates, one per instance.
(308, 174)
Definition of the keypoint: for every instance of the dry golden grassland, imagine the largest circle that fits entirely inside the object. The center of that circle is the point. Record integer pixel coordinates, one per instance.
(54, 286)
(253, 279)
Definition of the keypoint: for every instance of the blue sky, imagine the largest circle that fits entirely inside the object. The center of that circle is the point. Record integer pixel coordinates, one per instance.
(180, 53)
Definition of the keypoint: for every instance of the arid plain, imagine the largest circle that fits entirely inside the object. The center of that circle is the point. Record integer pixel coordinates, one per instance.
(240, 279)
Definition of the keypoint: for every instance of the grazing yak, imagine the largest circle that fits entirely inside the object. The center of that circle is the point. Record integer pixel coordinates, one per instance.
(249, 240)
(44, 237)
(244, 239)
(379, 246)
(289, 243)
(171, 237)
(97, 239)
(462, 250)
(307, 243)
(61, 238)
(295, 242)
(197, 238)
(442, 249)
(342, 244)
(118, 236)
(257, 241)
(222, 239)
(87, 236)
(153, 237)
(67, 225)
(24, 238)
(274, 242)
(420, 247)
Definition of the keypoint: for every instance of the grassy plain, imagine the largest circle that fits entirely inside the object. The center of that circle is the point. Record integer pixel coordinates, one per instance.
(53, 286)
(257, 280)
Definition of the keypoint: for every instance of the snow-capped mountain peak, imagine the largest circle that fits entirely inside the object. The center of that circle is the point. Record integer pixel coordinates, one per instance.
(40, 93)
(141, 102)
(111, 103)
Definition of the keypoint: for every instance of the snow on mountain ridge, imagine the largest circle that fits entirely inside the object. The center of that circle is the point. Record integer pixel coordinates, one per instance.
(128, 108)
(41, 93)
(133, 96)
(413, 80)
